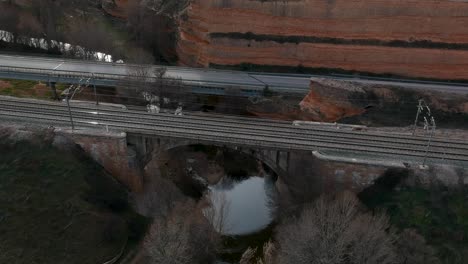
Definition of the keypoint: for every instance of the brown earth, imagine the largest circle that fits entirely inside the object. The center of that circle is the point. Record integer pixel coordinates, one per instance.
(116, 8)
(364, 103)
(4, 85)
(333, 100)
(326, 110)
(39, 90)
(416, 62)
(442, 21)
(408, 21)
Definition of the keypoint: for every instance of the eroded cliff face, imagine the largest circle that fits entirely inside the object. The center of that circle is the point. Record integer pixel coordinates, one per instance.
(419, 38)
(364, 103)
(369, 104)
(330, 102)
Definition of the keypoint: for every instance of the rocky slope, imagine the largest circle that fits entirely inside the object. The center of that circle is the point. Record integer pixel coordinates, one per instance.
(420, 38)
(366, 104)
(334, 100)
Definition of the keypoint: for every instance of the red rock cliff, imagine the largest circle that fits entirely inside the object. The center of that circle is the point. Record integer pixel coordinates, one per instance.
(419, 38)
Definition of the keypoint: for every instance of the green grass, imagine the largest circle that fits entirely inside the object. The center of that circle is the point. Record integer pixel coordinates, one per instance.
(19, 88)
(61, 86)
(25, 88)
(7, 91)
(22, 84)
(59, 207)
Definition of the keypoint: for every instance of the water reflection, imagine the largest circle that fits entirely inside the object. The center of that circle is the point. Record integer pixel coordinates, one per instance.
(241, 207)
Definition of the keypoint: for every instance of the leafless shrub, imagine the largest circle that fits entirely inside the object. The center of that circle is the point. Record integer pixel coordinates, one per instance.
(168, 239)
(88, 37)
(158, 199)
(153, 85)
(335, 231)
(268, 257)
(269, 253)
(412, 248)
(183, 237)
(249, 256)
(180, 233)
(218, 212)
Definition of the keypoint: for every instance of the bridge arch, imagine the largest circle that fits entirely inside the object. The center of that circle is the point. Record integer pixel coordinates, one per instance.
(277, 161)
(260, 155)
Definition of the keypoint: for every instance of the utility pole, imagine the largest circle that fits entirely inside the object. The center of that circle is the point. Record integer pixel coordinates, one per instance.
(421, 105)
(94, 86)
(432, 126)
(420, 108)
(69, 109)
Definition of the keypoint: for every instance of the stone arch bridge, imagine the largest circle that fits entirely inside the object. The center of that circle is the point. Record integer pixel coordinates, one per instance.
(125, 155)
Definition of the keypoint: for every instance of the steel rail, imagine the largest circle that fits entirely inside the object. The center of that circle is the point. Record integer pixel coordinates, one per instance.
(270, 131)
(252, 123)
(279, 134)
(229, 139)
(333, 145)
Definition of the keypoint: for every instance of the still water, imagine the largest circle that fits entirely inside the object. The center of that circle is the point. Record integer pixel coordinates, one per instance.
(243, 211)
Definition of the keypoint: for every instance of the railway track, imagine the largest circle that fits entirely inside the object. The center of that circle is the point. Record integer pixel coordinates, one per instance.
(290, 134)
(227, 122)
(242, 131)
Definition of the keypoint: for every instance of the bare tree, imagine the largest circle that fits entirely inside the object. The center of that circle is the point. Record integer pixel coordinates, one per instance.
(369, 242)
(153, 85)
(9, 20)
(168, 239)
(183, 237)
(88, 38)
(152, 25)
(159, 198)
(248, 257)
(269, 251)
(180, 233)
(412, 249)
(48, 13)
(218, 212)
(335, 231)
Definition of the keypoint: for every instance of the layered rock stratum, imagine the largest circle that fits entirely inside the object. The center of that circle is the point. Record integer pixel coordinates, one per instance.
(417, 38)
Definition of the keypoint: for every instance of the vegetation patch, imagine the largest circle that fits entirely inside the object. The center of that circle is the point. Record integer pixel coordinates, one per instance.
(24, 88)
(234, 246)
(58, 206)
(402, 112)
(437, 213)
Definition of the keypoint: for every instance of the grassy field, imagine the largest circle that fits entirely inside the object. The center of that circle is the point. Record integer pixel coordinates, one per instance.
(59, 207)
(24, 88)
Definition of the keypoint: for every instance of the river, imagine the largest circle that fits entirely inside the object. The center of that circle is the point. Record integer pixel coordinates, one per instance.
(243, 212)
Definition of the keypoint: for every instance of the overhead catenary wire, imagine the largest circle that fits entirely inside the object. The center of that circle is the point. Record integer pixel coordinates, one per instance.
(192, 100)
